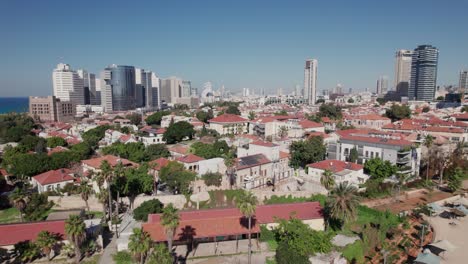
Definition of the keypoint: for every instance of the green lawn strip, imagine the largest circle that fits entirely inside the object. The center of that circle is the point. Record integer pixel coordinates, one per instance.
(10, 215)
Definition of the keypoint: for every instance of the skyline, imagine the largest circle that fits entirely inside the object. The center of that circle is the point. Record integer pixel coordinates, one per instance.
(237, 45)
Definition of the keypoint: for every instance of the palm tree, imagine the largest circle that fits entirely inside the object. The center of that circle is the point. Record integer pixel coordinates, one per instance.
(75, 230)
(107, 175)
(327, 180)
(119, 171)
(246, 202)
(428, 141)
(343, 202)
(229, 161)
(85, 192)
(139, 244)
(170, 221)
(46, 241)
(18, 197)
(160, 255)
(102, 197)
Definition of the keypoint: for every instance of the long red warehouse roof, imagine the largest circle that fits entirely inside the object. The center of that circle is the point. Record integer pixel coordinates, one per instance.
(11, 234)
(229, 221)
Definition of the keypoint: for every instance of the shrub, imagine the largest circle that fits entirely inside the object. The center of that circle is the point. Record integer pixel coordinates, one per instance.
(266, 234)
(123, 257)
(354, 252)
(285, 255)
(212, 178)
(148, 207)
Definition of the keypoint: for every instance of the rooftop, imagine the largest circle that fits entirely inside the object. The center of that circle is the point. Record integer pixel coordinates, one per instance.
(228, 118)
(54, 176)
(335, 165)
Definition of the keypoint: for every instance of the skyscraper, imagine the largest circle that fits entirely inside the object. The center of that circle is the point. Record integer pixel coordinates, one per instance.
(402, 71)
(186, 88)
(140, 87)
(171, 89)
(68, 86)
(89, 86)
(310, 81)
(423, 73)
(463, 84)
(382, 85)
(118, 88)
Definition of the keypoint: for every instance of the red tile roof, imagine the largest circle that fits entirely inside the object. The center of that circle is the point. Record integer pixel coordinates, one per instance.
(54, 176)
(373, 136)
(335, 165)
(57, 149)
(309, 124)
(284, 155)
(228, 118)
(263, 143)
(180, 149)
(14, 233)
(317, 134)
(370, 116)
(190, 158)
(229, 221)
(113, 161)
(158, 164)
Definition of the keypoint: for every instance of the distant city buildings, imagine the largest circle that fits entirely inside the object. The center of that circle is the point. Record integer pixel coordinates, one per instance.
(423, 73)
(118, 88)
(310, 81)
(67, 84)
(171, 89)
(89, 87)
(382, 85)
(463, 84)
(51, 109)
(402, 71)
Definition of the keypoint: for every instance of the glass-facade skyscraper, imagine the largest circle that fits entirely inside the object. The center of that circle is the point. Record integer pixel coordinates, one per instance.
(423, 73)
(118, 93)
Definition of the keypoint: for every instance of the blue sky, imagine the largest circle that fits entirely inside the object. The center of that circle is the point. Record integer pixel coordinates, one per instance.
(255, 44)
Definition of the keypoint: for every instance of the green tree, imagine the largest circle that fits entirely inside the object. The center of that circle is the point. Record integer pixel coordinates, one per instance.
(327, 180)
(426, 109)
(176, 177)
(107, 175)
(350, 101)
(75, 229)
(137, 181)
(139, 244)
(464, 109)
(204, 116)
(30, 142)
(94, 135)
(13, 127)
(160, 255)
(18, 198)
(233, 109)
(247, 202)
(282, 112)
(147, 207)
(212, 178)
(320, 101)
(46, 241)
(155, 119)
(440, 98)
(283, 131)
(85, 192)
(38, 207)
(170, 220)
(454, 181)
(428, 142)
(26, 251)
(176, 132)
(252, 115)
(343, 202)
(353, 155)
(306, 152)
(53, 142)
(331, 111)
(208, 151)
(381, 101)
(379, 169)
(135, 118)
(398, 112)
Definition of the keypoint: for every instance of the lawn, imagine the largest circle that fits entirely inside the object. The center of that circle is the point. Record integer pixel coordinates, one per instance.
(9, 215)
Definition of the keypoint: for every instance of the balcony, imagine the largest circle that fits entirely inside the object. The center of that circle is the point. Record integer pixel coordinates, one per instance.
(405, 169)
(403, 160)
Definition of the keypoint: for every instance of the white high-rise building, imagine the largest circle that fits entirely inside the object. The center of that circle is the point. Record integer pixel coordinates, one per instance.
(68, 86)
(89, 86)
(402, 71)
(382, 85)
(463, 84)
(310, 81)
(171, 89)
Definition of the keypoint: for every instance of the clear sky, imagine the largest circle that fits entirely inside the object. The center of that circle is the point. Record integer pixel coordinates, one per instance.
(254, 44)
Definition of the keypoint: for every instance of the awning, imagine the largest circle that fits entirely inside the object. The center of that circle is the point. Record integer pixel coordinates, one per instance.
(427, 258)
(444, 245)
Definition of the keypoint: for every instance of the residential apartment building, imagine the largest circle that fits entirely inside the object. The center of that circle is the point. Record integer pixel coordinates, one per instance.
(343, 172)
(51, 109)
(423, 73)
(68, 85)
(310, 81)
(229, 124)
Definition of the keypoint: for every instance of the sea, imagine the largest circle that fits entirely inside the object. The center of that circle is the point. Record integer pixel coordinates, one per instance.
(14, 104)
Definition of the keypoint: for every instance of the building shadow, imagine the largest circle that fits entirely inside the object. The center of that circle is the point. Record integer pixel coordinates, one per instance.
(187, 236)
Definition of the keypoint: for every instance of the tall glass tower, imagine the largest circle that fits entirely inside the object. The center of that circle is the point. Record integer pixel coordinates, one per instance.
(423, 73)
(118, 93)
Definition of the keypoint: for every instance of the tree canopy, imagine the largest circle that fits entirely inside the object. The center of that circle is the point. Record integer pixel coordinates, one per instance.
(330, 110)
(53, 142)
(147, 207)
(176, 132)
(135, 118)
(155, 119)
(398, 112)
(304, 152)
(212, 178)
(176, 177)
(233, 109)
(136, 151)
(14, 127)
(208, 151)
(204, 116)
(379, 169)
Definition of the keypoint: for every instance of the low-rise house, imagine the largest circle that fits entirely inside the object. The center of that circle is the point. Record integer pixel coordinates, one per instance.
(191, 162)
(156, 166)
(370, 121)
(127, 138)
(229, 124)
(111, 136)
(343, 172)
(52, 180)
(227, 224)
(253, 171)
(178, 151)
(150, 136)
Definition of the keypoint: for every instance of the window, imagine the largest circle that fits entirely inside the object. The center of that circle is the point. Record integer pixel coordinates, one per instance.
(367, 153)
(372, 154)
(376, 154)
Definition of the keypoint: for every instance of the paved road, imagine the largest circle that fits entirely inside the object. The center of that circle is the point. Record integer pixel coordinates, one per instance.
(109, 250)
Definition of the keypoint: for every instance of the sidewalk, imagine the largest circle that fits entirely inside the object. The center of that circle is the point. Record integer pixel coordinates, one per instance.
(109, 250)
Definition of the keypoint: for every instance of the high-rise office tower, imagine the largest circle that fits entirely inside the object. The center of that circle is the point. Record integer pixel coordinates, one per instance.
(171, 89)
(339, 88)
(402, 71)
(140, 87)
(68, 86)
(153, 91)
(463, 84)
(423, 73)
(382, 85)
(98, 91)
(118, 88)
(89, 86)
(186, 88)
(310, 81)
